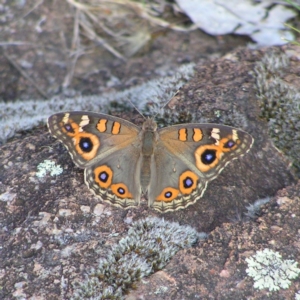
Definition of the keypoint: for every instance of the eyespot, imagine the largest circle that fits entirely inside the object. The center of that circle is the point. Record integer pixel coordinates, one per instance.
(86, 145)
(70, 128)
(168, 194)
(103, 175)
(121, 190)
(229, 144)
(207, 157)
(188, 182)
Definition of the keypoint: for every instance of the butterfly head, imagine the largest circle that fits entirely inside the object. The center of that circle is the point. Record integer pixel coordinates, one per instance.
(150, 125)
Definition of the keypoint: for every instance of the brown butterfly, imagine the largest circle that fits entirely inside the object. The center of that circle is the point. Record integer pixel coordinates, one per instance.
(122, 161)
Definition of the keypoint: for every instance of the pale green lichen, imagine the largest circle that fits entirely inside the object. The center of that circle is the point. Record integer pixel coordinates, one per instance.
(297, 296)
(270, 271)
(50, 167)
(148, 246)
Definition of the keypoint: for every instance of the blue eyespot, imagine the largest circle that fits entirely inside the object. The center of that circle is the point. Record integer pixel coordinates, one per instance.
(69, 128)
(86, 144)
(188, 182)
(168, 194)
(229, 144)
(103, 176)
(121, 191)
(208, 156)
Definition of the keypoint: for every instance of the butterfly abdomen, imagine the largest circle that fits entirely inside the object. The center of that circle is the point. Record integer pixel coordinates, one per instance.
(148, 145)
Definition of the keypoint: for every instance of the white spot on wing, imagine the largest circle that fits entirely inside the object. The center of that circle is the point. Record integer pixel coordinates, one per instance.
(84, 121)
(215, 135)
(235, 135)
(66, 118)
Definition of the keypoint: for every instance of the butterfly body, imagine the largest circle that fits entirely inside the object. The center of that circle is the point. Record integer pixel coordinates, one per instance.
(172, 165)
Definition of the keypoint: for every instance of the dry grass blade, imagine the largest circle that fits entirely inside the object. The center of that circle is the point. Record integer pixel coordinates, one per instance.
(77, 51)
(122, 19)
(92, 35)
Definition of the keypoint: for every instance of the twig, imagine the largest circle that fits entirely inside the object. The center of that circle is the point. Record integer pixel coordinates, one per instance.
(15, 43)
(33, 8)
(91, 34)
(75, 45)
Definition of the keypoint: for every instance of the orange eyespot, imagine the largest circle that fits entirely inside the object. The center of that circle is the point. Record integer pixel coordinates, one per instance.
(168, 194)
(70, 128)
(228, 144)
(188, 182)
(86, 145)
(121, 190)
(103, 176)
(207, 157)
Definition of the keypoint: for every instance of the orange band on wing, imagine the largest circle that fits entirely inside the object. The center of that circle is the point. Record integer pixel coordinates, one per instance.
(101, 126)
(116, 128)
(182, 134)
(197, 136)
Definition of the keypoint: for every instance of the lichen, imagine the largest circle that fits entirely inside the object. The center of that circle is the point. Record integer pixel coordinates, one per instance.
(270, 271)
(149, 245)
(254, 209)
(280, 104)
(50, 167)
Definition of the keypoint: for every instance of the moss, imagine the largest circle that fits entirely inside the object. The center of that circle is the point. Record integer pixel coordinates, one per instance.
(280, 104)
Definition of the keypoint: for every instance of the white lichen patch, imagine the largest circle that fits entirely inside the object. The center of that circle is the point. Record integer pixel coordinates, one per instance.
(50, 167)
(270, 271)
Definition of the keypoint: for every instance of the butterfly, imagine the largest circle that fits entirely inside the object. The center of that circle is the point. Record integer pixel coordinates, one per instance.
(171, 166)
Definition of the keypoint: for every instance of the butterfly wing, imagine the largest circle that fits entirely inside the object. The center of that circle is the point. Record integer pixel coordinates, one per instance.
(107, 148)
(187, 157)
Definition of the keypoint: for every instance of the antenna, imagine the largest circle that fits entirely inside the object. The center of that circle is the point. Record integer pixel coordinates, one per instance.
(137, 109)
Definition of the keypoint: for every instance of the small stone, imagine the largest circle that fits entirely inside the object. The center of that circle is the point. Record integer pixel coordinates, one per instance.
(98, 210)
(85, 209)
